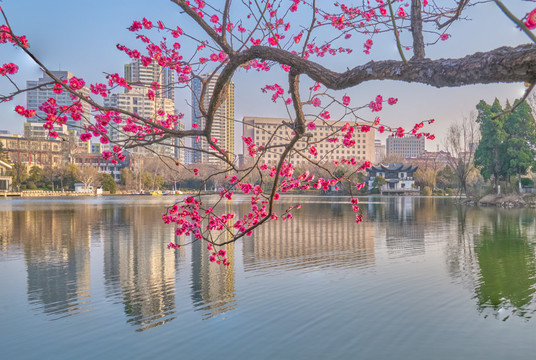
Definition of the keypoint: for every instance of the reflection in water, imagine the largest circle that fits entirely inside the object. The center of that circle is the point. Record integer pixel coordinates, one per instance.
(138, 268)
(57, 251)
(486, 250)
(404, 235)
(213, 288)
(212, 285)
(493, 256)
(318, 236)
(507, 270)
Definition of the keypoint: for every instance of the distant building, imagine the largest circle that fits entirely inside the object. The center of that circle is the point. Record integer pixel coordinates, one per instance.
(264, 130)
(136, 100)
(33, 130)
(18, 149)
(399, 177)
(41, 92)
(102, 165)
(406, 147)
(96, 148)
(379, 151)
(5, 179)
(223, 126)
(435, 160)
(137, 73)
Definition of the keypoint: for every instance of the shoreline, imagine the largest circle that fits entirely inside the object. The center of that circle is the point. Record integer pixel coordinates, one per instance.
(503, 201)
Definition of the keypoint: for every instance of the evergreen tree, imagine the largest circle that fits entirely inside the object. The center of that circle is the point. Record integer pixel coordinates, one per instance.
(506, 145)
(108, 183)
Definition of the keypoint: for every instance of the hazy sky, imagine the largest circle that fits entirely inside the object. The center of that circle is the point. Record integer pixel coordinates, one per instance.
(80, 36)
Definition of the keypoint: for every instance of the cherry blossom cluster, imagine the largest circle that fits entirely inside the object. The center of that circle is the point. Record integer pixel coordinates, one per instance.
(24, 112)
(10, 69)
(530, 20)
(6, 36)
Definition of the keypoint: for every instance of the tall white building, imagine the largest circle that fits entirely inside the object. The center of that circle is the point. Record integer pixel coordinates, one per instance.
(406, 147)
(223, 126)
(137, 73)
(137, 102)
(41, 93)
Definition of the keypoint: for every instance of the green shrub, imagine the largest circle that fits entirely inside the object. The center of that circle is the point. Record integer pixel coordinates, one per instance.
(527, 182)
(426, 191)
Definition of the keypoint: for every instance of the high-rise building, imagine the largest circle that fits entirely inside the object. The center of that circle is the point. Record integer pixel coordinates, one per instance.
(406, 147)
(265, 131)
(41, 92)
(136, 100)
(137, 73)
(223, 125)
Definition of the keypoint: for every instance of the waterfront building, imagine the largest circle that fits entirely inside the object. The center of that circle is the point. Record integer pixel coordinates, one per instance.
(435, 160)
(5, 179)
(102, 165)
(41, 152)
(265, 131)
(399, 177)
(223, 126)
(406, 147)
(137, 102)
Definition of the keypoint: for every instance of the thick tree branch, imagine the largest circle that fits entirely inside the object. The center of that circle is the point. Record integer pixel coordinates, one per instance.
(416, 30)
(502, 65)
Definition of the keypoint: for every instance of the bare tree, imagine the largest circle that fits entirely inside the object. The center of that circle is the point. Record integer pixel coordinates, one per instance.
(460, 143)
(88, 175)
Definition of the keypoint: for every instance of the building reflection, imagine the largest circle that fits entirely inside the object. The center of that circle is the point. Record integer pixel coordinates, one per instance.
(138, 268)
(56, 246)
(213, 285)
(317, 236)
(401, 223)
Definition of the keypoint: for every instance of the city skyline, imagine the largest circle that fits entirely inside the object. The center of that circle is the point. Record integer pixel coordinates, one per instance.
(416, 102)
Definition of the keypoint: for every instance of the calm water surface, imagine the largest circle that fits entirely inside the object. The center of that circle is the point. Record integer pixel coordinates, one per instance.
(419, 279)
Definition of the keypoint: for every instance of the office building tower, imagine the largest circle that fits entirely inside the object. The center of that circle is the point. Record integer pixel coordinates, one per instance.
(406, 147)
(137, 102)
(223, 126)
(138, 74)
(40, 92)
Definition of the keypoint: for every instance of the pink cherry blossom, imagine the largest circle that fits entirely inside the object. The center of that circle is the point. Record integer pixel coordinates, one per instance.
(531, 20)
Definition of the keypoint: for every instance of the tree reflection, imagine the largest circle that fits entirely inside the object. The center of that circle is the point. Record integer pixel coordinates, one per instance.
(507, 270)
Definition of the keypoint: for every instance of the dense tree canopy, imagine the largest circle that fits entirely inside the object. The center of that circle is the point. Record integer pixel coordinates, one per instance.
(507, 145)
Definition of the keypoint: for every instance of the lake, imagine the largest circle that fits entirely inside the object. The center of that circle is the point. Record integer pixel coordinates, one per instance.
(420, 278)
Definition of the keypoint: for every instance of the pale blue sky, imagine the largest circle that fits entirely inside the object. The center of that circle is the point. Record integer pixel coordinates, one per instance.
(80, 36)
